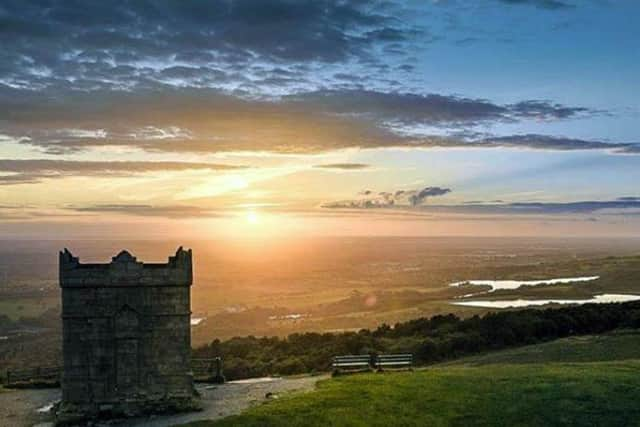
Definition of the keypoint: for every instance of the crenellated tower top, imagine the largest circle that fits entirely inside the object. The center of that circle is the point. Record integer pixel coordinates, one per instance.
(125, 270)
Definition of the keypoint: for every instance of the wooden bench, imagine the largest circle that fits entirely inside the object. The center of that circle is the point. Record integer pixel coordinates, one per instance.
(362, 361)
(404, 360)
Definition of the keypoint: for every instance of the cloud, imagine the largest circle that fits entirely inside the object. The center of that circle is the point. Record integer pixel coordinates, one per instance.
(171, 211)
(573, 207)
(234, 75)
(343, 166)
(14, 171)
(355, 204)
(546, 142)
(194, 121)
(13, 215)
(542, 4)
(422, 195)
(623, 205)
(546, 110)
(123, 45)
(151, 133)
(83, 133)
(411, 108)
(209, 121)
(386, 199)
(279, 76)
(19, 212)
(482, 202)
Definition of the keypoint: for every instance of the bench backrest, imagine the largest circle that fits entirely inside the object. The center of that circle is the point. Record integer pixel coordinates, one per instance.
(404, 359)
(352, 360)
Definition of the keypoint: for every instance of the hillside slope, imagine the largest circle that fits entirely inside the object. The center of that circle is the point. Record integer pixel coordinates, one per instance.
(531, 386)
(615, 346)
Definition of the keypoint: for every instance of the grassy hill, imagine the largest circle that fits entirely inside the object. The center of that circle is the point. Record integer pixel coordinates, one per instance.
(576, 381)
(615, 346)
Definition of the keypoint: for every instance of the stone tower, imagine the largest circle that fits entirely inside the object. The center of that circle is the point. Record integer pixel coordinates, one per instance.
(126, 336)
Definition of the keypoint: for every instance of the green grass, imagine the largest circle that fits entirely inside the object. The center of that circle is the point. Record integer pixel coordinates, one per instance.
(615, 346)
(581, 381)
(587, 394)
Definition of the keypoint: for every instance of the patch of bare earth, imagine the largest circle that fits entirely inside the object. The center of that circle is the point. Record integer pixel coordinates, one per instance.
(20, 407)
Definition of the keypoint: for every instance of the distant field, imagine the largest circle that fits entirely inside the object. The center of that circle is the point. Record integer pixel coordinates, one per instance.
(242, 288)
(16, 308)
(530, 386)
(334, 283)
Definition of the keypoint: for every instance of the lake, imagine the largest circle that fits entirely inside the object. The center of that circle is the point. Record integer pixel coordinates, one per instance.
(517, 303)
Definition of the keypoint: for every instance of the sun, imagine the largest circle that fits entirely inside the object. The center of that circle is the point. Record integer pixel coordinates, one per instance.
(252, 217)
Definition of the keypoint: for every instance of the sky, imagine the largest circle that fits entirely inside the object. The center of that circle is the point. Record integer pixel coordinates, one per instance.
(274, 118)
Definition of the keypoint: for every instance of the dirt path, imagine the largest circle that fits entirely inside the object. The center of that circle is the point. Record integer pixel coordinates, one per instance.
(20, 407)
(231, 398)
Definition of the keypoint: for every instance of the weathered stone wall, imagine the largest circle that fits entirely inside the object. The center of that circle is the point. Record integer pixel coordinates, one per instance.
(126, 334)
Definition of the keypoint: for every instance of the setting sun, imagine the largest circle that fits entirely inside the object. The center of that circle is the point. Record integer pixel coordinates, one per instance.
(252, 217)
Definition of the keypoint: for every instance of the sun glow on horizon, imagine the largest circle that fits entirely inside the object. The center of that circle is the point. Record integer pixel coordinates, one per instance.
(252, 217)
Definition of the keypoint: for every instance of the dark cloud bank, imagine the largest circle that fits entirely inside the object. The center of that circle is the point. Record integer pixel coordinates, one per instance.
(191, 76)
(123, 44)
(431, 109)
(200, 69)
(207, 120)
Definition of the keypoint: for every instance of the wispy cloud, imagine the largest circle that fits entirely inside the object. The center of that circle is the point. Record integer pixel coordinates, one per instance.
(14, 171)
(430, 108)
(343, 166)
(387, 199)
(542, 4)
(623, 205)
(170, 211)
(547, 142)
